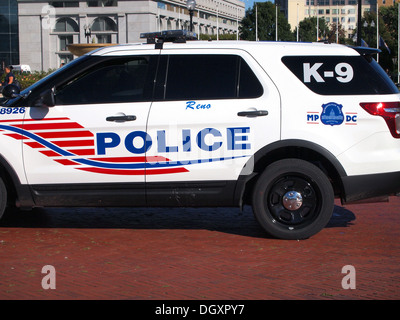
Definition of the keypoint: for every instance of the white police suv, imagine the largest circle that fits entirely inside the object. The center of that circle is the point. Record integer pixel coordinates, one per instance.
(283, 127)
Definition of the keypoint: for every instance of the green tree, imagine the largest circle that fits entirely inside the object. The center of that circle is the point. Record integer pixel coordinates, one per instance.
(266, 23)
(331, 35)
(226, 36)
(308, 29)
(387, 32)
(389, 17)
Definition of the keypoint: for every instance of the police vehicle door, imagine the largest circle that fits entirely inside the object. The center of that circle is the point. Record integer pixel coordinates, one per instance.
(96, 132)
(212, 111)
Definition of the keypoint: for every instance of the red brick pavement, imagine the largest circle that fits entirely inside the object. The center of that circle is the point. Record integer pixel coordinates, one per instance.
(196, 254)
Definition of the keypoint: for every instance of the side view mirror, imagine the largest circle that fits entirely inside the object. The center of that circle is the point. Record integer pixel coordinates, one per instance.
(10, 91)
(46, 99)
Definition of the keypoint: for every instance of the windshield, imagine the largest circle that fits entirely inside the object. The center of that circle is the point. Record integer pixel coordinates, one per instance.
(25, 92)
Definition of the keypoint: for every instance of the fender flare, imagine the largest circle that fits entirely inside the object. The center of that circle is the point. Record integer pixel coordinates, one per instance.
(256, 164)
(22, 192)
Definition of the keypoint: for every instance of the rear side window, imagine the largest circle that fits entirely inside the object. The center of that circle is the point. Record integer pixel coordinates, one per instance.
(197, 77)
(340, 75)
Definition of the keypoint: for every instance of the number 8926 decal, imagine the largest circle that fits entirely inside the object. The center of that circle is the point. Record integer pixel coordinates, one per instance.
(12, 110)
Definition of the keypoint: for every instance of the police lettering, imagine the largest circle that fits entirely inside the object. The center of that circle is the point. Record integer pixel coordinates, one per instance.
(207, 139)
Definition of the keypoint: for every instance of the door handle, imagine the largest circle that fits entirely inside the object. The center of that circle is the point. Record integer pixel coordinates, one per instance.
(121, 118)
(253, 113)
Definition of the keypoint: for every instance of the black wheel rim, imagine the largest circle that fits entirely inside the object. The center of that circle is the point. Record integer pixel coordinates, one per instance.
(297, 216)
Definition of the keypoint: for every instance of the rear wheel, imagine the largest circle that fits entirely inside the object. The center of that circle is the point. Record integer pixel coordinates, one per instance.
(3, 197)
(293, 199)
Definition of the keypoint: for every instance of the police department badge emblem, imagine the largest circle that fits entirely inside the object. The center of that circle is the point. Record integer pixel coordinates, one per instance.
(332, 114)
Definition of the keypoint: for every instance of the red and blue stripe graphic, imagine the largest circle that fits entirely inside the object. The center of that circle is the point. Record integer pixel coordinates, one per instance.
(70, 144)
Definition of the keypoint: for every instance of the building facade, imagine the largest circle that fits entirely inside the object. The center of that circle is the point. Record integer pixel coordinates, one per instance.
(333, 11)
(9, 50)
(46, 28)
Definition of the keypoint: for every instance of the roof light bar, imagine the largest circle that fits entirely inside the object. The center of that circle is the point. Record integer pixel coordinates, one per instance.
(169, 36)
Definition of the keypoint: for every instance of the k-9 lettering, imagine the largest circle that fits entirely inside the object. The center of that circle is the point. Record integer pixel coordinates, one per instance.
(343, 70)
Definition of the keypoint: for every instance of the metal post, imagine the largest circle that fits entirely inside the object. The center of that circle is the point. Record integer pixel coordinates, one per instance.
(191, 5)
(297, 31)
(191, 20)
(337, 23)
(256, 23)
(377, 30)
(317, 21)
(359, 24)
(217, 23)
(237, 22)
(276, 20)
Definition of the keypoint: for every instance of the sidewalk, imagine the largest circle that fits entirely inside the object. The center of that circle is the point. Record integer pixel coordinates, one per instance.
(196, 254)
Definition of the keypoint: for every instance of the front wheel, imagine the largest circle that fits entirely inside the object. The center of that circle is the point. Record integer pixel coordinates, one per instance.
(293, 199)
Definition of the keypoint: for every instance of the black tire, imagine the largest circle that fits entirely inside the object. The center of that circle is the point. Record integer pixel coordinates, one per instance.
(3, 197)
(293, 199)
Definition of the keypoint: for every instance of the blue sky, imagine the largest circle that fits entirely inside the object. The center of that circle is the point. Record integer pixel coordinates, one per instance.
(249, 3)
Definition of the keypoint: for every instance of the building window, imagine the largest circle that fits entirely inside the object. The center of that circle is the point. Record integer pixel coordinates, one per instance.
(161, 5)
(9, 44)
(66, 25)
(102, 3)
(65, 58)
(104, 24)
(64, 41)
(103, 38)
(66, 28)
(103, 28)
(64, 4)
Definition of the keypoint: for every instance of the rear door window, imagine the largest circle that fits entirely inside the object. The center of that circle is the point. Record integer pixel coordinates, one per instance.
(340, 75)
(210, 76)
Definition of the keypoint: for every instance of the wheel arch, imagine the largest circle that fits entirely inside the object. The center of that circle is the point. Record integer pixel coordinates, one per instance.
(297, 149)
(17, 193)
